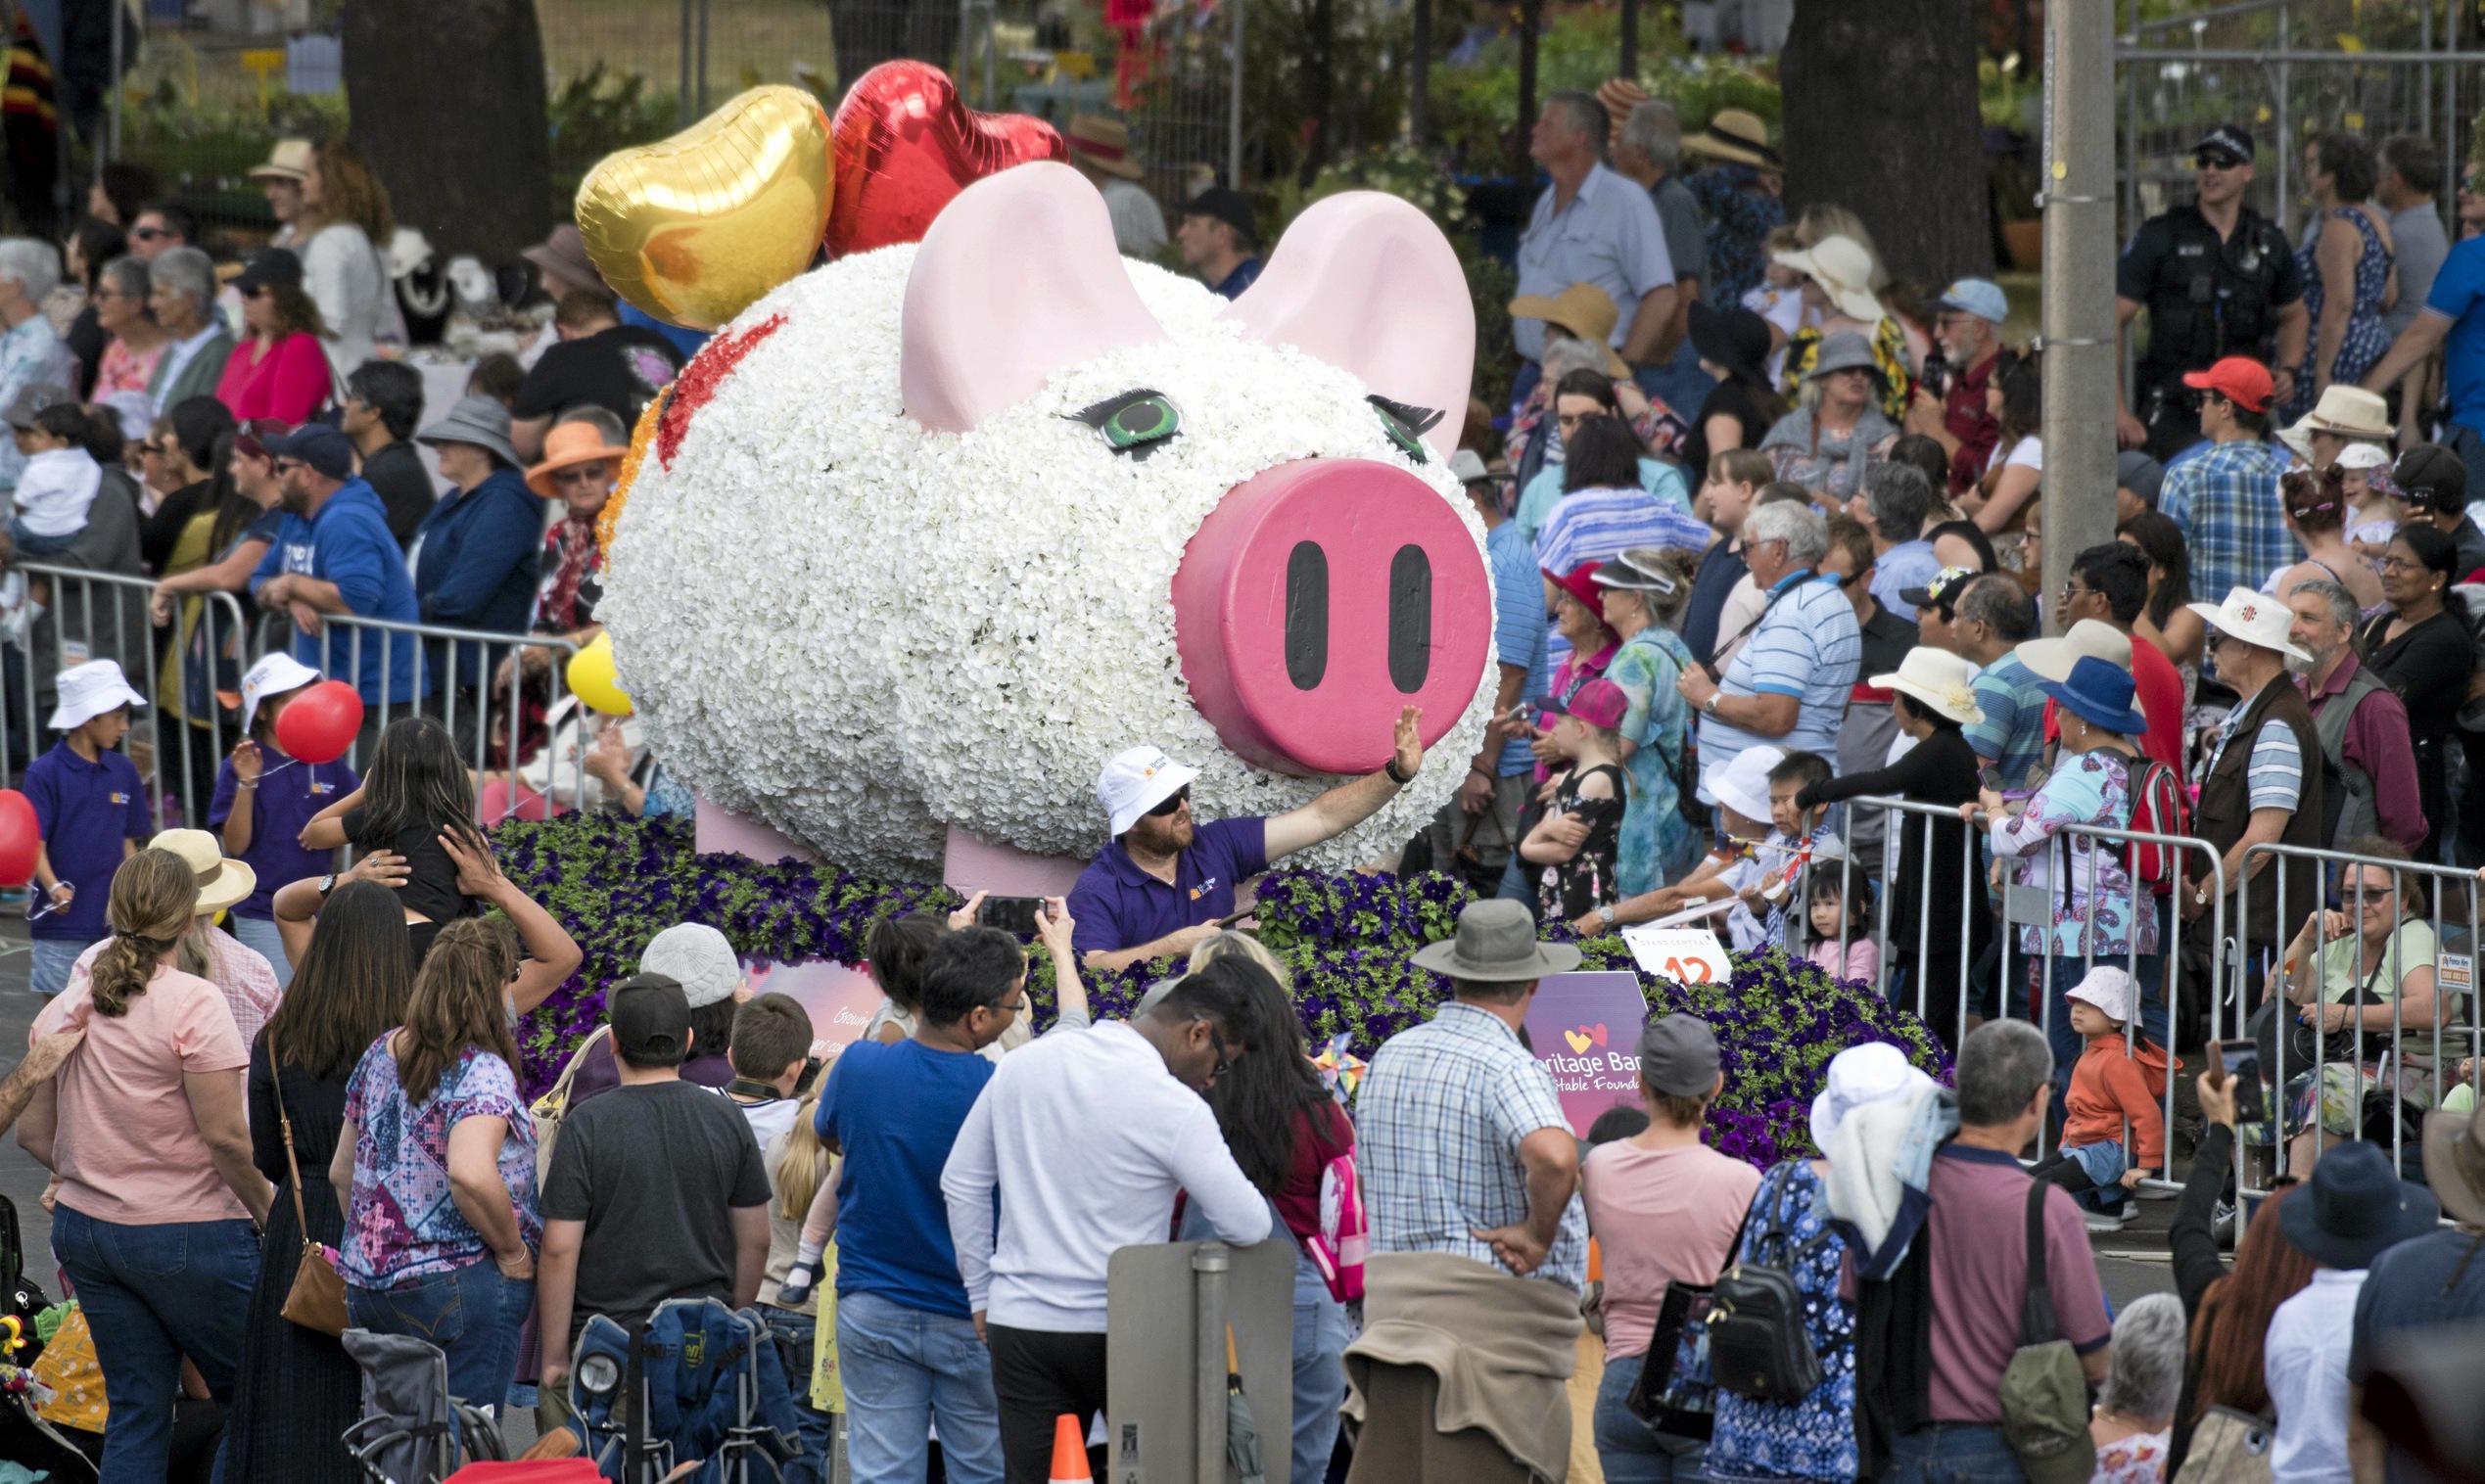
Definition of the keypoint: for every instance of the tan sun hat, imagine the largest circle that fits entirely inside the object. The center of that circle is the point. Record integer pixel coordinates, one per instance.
(1585, 312)
(1938, 678)
(289, 159)
(1737, 136)
(2089, 638)
(1104, 143)
(222, 880)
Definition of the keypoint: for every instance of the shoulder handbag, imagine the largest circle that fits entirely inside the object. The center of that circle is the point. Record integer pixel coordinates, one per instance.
(2044, 1393)
(317, 1299)
(1758, 1346)
(2227, 1447)
(554, 1104)
(22, 1298)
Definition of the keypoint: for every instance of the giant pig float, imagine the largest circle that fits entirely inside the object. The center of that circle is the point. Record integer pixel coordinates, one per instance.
(925, 535)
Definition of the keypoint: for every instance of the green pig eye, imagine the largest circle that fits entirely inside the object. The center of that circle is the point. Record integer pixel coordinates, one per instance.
(1135, 423)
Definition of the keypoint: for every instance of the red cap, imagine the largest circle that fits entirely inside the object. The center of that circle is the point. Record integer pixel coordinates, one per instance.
(2239, 379)
(1581, 584)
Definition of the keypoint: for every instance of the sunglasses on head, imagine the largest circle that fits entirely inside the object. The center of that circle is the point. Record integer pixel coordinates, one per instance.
(1173, 802)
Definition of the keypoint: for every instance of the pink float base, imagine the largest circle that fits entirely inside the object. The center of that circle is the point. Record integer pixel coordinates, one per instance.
(969, 866)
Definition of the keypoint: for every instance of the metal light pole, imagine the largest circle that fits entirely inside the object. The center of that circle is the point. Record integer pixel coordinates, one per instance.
(2078, 317)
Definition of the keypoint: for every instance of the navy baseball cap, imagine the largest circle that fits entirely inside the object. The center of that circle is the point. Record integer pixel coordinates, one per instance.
(2230, 138)
(325, 449)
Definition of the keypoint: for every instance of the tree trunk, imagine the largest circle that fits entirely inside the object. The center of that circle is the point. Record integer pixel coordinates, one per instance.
(462, 149)
(1881, 118)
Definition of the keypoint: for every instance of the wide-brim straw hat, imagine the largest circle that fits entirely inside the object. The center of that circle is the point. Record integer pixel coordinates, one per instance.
(2454, 1162)
(1936, 679)
(1104, 143)
(2350, 412)
(1583, 311)
(1844, 270)
(1737, 136)
(222, 880)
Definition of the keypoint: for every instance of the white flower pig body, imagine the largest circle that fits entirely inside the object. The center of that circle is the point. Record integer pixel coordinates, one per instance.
(884, 574)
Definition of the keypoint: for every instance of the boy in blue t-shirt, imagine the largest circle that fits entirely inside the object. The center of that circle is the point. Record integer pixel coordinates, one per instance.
(92, 815)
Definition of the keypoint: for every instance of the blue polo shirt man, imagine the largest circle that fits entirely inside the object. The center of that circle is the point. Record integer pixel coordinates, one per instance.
(334, 554)
(1159, 886)
(89, 810)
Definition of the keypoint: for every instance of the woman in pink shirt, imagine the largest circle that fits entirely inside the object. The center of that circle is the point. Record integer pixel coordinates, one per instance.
(278, 370)
(157, 1195)
(1664, 1209)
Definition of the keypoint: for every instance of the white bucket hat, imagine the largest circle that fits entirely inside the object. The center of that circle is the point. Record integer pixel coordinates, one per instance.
(1135, 780)
(1742, 782)
(2088, 639)
(2255, 620)
(87, 691)
(2110, 990)
(1937, 678)
(274, 674)
(1844, 270)
(1871, 1073)
(2363, 456)
(222, 880)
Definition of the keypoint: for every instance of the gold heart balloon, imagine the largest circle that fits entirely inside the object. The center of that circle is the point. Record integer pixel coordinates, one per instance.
(695, 228)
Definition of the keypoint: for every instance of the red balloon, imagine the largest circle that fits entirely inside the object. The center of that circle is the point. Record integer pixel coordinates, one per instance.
(21, 838)
(905, 145)
(319, 726)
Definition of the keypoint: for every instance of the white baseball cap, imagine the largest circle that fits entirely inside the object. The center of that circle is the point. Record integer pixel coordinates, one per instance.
(87, 691)
(273, 676)
(1742, 782)
(697, 958)
(1857, 1076)
(1135, 780)
(2363, 456)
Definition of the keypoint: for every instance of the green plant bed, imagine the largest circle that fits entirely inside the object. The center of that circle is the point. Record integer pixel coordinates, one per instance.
(614, 884)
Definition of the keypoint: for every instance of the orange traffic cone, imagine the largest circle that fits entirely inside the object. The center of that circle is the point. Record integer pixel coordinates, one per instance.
(1069, 1452)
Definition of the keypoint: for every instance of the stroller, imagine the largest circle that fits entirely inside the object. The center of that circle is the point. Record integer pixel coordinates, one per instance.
(702, 1385)
(412, 1431)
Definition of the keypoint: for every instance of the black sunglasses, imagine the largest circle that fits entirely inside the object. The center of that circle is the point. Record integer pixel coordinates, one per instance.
(1179, 798)
(2216, 159)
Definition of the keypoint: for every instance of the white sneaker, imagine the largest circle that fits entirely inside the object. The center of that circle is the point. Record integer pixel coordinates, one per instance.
(2098, 1221)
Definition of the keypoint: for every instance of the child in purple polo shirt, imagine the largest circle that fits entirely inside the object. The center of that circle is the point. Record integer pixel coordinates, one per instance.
(264, 798)
(91, 811)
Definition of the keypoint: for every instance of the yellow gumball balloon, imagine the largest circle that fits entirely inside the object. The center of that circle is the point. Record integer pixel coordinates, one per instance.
(592, 679)
(693, 229)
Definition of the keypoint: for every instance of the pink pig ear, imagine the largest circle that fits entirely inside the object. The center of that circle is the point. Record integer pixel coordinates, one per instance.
(1018, 277)
(1365, 282)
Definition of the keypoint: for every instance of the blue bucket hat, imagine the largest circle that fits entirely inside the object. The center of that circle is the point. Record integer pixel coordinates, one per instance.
(2099, 693)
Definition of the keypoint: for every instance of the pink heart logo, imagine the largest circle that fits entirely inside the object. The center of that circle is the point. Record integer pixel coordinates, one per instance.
(1598, 1035)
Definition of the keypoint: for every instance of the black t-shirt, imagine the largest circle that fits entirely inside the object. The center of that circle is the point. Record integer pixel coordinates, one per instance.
(617, 369)
(2198, 291)
(1727, 399)
(403, 486)
(655, 1172)
(1885, 641)
(159, 533)
(431, 882)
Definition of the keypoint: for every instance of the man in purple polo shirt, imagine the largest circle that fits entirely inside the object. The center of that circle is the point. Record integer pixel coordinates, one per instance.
(1160, 885)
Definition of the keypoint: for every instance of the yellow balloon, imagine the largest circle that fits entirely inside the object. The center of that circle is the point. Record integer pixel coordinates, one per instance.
(693, 229)
(592, 679)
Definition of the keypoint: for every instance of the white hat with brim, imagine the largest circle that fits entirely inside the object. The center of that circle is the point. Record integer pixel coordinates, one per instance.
(273, 676)
(2110, 990)
(2362, 455)
(2296, 437)
(1135, 780)
(1844, 272)
(2349, 412)
(2089, 638)
(291, 160)
(222, 880)
(2256, 620)
(1937, 678)
(1858, 1076)
(1742, 782)
(87, 691)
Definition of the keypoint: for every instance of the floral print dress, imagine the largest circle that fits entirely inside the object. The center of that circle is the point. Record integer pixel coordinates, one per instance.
(1814, 1438)
(1658, 844)
(403, 1224)
(2092, 912)
(1739, 220)
(1565, 888)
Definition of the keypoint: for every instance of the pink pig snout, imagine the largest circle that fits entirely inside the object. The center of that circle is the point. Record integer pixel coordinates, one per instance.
(1319, 599)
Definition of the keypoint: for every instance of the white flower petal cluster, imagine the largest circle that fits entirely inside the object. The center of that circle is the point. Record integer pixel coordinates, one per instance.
(860, 632)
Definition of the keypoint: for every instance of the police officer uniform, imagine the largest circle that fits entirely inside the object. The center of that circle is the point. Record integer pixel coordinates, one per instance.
(2206, 299)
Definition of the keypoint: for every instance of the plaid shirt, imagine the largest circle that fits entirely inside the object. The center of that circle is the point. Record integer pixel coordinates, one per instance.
(2226, 501)
(1437, 1124)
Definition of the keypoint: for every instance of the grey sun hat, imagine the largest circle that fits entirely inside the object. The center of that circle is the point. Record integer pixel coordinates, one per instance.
(1845, 350)
(1495, 943)
(478, 420)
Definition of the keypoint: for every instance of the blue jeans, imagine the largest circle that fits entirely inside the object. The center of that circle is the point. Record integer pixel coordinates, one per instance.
(1320, 1371)
(152, 1295)
(1952, 1453)
(1631, 1451)
(54, 957)
(471, 1312)
(816, 1438)
(904, 1367)
(260, 933)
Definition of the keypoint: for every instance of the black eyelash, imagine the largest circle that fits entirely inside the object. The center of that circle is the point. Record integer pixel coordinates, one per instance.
(1419, 420)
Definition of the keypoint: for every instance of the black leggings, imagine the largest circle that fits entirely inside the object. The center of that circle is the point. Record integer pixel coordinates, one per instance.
(1036, 1377)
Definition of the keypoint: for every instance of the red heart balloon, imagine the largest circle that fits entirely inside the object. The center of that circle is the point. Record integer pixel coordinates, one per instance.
(905, 145)
(21, 837)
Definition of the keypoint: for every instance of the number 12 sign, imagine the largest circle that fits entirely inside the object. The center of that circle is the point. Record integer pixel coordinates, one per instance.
(1684, 954)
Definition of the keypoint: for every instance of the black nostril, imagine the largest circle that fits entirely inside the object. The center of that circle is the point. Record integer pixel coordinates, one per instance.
(1307, 616)
(1410, 618)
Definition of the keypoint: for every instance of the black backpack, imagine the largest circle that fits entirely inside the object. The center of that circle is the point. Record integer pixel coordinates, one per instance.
(1756, 1344)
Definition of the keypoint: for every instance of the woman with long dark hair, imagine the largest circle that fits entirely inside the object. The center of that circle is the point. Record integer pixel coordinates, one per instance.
(2421, 647)
(298, 1390)
(435, 1168)
(417, 795)
(278, 369)
(2166, 621)
(2015, 395)
(1285, 1131)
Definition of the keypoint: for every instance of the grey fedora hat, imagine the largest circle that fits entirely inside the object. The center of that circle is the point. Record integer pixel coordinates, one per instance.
(478, 420)
(1495, 943)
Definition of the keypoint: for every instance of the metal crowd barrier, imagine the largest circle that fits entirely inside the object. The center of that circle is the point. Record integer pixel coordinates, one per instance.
(2021, 906)
(2455, 978)
(105, 616)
